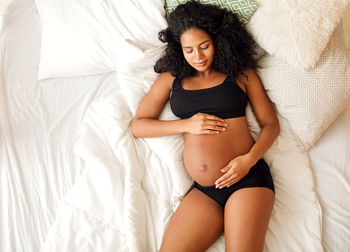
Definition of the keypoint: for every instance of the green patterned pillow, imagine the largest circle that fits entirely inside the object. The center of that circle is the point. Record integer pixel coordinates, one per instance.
(243, 8)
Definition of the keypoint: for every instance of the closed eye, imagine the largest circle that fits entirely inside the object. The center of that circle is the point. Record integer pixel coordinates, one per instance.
(203, 48)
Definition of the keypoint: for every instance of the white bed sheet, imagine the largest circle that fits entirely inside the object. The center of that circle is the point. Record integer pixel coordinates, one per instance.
(330, 160)
(39, 122)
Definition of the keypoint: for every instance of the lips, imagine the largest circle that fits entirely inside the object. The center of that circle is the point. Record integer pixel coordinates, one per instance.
(201, 63)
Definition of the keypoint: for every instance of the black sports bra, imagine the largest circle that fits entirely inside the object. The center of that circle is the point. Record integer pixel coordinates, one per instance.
(226, 100)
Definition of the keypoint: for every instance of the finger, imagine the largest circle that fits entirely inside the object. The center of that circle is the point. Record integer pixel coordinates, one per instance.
(229, 166)
(226, 169)
(213, 117)
(229, 182)
(211, 132)
(212, 127)
(226, 183)
(217, 123)
(232, 181)
(222, 178)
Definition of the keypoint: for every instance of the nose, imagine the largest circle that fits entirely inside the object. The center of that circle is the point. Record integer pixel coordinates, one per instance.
(198, 54)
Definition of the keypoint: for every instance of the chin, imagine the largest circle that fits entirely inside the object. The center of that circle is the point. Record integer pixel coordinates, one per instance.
(201, 69)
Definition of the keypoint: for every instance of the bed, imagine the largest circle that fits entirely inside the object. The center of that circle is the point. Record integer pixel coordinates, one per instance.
(74, 179)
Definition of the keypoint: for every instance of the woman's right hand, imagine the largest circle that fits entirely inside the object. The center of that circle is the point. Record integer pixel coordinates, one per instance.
(201, 123)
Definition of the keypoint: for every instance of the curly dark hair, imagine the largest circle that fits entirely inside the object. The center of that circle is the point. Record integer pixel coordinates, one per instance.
(234, 47)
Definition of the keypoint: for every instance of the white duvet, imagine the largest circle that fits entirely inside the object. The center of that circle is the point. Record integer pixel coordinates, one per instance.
(131, 187)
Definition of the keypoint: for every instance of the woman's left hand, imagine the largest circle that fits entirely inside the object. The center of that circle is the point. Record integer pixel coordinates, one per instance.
(234, 171)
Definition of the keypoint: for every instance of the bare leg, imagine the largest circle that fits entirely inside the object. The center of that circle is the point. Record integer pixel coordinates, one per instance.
(247, 215)
(197, 223)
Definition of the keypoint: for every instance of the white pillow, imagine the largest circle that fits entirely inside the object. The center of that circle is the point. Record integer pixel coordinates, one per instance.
(82, 37)
(309, 100)
(296, 31)
(9, 6)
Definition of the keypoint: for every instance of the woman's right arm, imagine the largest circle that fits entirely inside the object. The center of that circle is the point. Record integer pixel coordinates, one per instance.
(146, 123)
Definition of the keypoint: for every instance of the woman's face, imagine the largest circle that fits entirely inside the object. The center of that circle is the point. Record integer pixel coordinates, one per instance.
(198, 49)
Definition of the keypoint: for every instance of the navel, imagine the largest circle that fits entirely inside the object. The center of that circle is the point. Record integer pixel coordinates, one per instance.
(203, 167)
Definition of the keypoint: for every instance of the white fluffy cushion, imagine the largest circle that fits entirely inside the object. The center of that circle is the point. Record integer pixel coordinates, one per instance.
(82, 37)
(296, 31)
(310, 100)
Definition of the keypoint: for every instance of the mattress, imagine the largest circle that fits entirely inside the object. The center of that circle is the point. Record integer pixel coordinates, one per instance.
(61, 167)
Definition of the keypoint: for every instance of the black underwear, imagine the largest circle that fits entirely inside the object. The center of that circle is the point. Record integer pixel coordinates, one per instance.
(258, 176)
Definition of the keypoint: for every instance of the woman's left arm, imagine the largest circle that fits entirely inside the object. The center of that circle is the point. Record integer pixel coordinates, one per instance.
(265, 115)
(268, 122)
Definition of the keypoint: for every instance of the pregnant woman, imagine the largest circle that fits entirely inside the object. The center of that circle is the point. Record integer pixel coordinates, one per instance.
(209, 74)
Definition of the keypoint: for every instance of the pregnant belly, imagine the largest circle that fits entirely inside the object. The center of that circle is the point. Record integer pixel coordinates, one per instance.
(205, 155)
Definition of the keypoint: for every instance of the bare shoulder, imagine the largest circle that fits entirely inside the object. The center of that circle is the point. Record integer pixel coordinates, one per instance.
(248, 79)
(250, 76)
(165, 79)
(153, 102)
(258, 98)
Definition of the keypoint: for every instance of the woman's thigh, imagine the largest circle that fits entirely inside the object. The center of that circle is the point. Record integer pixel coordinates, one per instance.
(247, 215)
(196, 224)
